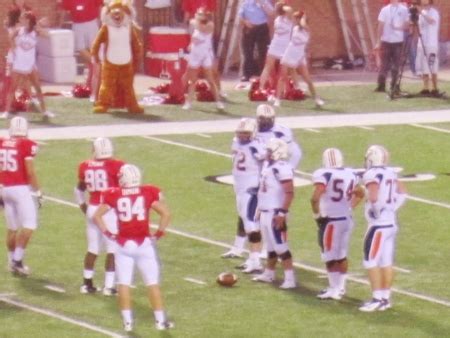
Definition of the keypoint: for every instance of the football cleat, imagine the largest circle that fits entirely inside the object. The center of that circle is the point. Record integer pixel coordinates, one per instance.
(264, 278)
(385, 304)
(19, 269)
(253, 268)
(330, 294)
(109, 292)
(164, 325)
(85, 289)
(220, 105)
(288, 284)
(128, 327)
(49, 114)
(372, 305)
(319, 102)
(233, 253)
(276, 103)
(187, 105)
(241, 266)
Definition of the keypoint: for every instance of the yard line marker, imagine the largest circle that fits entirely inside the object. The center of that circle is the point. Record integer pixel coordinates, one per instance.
(401, 269)
(312, 130)
(193, 280)
(296, 264)
(60, 317)
(203, 135)
(41, 143)
(55, 288)
(365, 128)
(7, 294)
(441, 130)
(423, 200)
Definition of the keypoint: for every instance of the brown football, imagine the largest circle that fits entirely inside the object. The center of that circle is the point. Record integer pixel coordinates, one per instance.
(227, 279)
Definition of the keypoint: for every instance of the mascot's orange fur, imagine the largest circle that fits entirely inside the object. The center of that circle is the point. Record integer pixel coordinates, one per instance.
(122, 52)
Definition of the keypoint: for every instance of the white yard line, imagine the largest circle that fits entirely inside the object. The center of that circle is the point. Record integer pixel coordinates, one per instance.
(229, 125)
(402, 269)
(195, 281)
(296, 264)
(312, 130)
(55, 288)
(55, 315)
(430, 202)
(203, 135)
(441, 130)
(365, 128)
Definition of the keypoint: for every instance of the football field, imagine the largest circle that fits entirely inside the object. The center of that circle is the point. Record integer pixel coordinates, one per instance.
(191, 169)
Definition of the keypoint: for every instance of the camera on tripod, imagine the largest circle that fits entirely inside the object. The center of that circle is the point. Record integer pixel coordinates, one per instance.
(414, 14)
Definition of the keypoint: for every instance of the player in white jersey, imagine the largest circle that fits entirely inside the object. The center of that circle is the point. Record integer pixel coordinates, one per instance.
(331, 206)
(275, 196)
(267, 128)
(293, 60)
(281, 37)
(384, 196)
(201, 56)
(248, 155)
(427, 59)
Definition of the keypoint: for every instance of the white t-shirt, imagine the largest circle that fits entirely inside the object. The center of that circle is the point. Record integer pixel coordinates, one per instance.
(429, 31)
(394, 18)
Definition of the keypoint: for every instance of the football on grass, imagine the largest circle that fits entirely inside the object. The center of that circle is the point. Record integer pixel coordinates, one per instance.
(227, 279)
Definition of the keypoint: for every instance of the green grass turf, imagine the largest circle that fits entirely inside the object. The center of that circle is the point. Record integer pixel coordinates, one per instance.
(207, 209)
(339, 100)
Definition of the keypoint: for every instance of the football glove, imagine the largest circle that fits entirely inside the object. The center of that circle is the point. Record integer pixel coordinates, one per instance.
(110, 235)
(38, 197)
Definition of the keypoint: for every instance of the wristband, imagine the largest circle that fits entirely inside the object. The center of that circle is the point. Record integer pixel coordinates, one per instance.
(109, 234)
(159, 233)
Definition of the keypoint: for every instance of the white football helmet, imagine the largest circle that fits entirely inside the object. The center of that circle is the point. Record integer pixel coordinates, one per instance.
(376, 156)
(278, 149)
(246, 130)
(103, 148)
(332, 158)
(265, 114)
(129, 176)
(18, 126)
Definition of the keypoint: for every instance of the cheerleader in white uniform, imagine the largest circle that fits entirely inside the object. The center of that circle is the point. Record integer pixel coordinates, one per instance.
(201, 56)
(281, 37)
(24, 40)
(294, 60)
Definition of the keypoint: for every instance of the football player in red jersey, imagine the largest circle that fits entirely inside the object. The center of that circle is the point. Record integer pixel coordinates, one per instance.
(132, 203)
(20, 183)
(94, 176)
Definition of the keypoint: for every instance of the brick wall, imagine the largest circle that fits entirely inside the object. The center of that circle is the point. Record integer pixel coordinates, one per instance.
(327, 38)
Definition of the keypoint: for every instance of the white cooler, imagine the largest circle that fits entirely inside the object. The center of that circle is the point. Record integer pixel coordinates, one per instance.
(58, 69)
(58, 43)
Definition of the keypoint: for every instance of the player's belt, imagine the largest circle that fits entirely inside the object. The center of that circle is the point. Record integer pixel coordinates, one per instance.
(334, 219)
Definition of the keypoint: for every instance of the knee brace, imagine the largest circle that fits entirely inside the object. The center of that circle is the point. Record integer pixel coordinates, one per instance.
(240, 228)
(254, 237)
(272, 255)
(286, 255)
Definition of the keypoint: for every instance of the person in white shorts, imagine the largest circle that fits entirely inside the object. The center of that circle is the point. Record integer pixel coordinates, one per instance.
(293, 60)
(201, 56)
(20, 188)
(24, 61)
(136, 247)
(94, 176)
(275, 196)
(248, 155)
(427, 60)
(331, 206)
(384, 196)
(281, 36)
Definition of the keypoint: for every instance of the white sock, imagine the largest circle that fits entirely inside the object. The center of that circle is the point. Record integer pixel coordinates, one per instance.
(254, 257)
(333, 279)
(88, 274)
(342, 281)
(127, 316)
(269, 273)
(377, 294)
(109, 279)
(239, 242)
(18, 254)
(160, 316)
(289, 275)
(386, 294)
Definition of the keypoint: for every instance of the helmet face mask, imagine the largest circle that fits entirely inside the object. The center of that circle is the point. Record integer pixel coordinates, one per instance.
(103, 148)
(245, 131)
(332, 158)
(129, 176)
(265, 115)
(18, 126)
(376, 156)
(277, 149)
